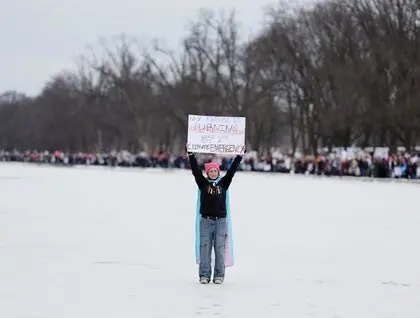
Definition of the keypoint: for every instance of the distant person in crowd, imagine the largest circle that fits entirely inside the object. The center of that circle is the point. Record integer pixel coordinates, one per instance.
(213, 224)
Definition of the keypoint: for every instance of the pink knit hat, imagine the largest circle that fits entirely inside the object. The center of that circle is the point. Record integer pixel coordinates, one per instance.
(211, 165)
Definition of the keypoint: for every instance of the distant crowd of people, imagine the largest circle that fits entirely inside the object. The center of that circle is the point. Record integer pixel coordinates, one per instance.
(340, 162)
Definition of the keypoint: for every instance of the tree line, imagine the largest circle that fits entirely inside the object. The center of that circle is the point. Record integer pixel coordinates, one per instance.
(336, 73)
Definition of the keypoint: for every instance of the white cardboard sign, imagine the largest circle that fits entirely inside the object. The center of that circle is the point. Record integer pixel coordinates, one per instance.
(216, 134)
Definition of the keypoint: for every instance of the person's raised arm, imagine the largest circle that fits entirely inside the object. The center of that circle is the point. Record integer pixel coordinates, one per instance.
(196, 171)
(227, 178)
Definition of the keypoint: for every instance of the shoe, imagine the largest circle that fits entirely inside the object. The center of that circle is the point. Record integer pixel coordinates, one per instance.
(218, 280)
(204, 280)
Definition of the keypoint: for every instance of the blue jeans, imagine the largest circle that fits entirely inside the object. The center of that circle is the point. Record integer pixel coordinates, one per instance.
(213, 233)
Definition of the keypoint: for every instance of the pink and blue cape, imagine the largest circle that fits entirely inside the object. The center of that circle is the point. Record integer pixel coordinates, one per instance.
(229, 260)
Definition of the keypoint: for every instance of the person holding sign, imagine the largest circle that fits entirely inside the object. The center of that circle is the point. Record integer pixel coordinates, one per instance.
(213, 225)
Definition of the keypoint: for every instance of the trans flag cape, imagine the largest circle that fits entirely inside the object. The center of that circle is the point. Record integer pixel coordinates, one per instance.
(229, 261)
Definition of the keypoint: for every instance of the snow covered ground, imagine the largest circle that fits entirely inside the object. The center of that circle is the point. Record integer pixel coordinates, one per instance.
(87, 243)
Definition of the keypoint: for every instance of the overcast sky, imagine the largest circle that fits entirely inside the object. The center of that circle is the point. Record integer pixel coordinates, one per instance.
(39, 38)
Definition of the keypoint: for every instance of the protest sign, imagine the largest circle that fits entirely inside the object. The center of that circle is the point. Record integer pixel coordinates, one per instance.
(216, 134)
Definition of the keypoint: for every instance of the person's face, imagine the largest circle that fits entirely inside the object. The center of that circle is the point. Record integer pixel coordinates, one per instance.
(213, 173)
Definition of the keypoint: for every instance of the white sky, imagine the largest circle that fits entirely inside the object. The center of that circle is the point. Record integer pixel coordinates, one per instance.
(41, 37)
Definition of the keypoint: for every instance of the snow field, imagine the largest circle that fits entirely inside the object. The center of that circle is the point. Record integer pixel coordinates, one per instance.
(90, 243)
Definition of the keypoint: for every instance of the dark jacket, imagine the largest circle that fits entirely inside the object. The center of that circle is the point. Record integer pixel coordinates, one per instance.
(213, 197)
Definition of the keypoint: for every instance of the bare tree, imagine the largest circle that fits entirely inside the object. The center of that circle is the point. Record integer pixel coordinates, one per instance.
(337, 73)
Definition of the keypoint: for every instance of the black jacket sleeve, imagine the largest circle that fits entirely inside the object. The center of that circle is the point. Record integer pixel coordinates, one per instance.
(196, 171)
(227, 178)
